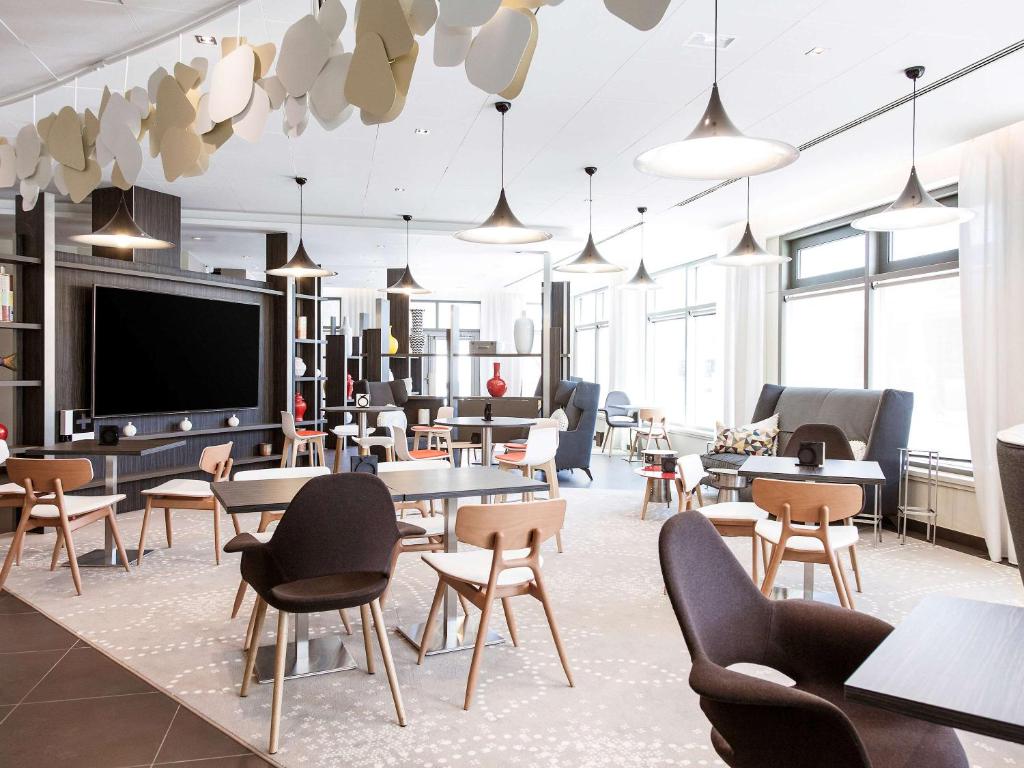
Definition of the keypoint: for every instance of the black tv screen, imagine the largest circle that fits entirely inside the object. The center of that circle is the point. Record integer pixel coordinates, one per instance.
(161, 353)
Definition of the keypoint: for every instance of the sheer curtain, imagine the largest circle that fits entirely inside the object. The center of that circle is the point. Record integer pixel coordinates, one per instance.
(499, 311)
(355, 301)
(628, 326)
(991, 286)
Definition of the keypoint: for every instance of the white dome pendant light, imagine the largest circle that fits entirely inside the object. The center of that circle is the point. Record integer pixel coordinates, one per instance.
(502, 227)
(406, 283)
(590, 259)
(716, 148)
(642, 280)
(915, 207)
(748, 252)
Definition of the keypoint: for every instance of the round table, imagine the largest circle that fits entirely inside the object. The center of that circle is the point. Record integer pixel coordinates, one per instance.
(659, 487)
(486, 428)
(729, 483)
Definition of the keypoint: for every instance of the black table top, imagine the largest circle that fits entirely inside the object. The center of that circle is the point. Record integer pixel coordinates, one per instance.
(834, 471)
(237, 496)
(478, 421)
(954, 662)
(362, 408)
(127, 446)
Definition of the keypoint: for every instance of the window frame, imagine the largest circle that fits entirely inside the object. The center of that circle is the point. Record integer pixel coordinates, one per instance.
(605, 293)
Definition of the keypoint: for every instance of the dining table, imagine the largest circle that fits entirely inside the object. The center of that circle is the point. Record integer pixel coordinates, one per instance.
(312, 656)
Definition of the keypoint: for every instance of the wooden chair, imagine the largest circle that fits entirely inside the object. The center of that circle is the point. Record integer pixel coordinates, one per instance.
(12, 495)
(508, 564)
(313, 440)
(652, 429)
(801, 532)
(403, 453)
(435, 434)
(191, 494)
(537, 453)
(47, 506)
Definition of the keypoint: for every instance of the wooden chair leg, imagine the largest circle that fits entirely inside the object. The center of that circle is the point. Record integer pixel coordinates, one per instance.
(345, 622)
(235, 524)
(251, 628)
(216, 533)
(259, 612)
(464, 603)
(846, 581)
(168, 531)
(478, 649)
(145, 526)
(286, 451)
(239, 597)
(428, 627)
(339, 451)
(549, 614)
(856, 568)
(753, 557)
(76, 577)
(116, 534)
(837, 578)
(647, 498)
(364, 616)
(389, 664)
(280, 657)
(14, 552)
(510, 619)
(57, 548)
(771, 569)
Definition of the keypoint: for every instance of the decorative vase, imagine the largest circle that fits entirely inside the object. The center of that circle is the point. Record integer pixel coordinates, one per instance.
(300, 366)
(185, 425)
(129, 430)
(300, 406)
(3, 432)
(232, 420)
(496, 386)
(392, 343)
(350, 384)
(523, 333)
(346, 332)
(417, 339)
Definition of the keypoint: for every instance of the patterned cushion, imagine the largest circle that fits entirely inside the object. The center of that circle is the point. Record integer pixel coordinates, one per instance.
(750, 439)
(562, 418)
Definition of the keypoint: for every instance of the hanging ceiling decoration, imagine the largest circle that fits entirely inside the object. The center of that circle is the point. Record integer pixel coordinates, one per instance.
(300, 265)
(406, 283)
(122, 232)
(716, 148)
(915, 207)
(590, 259)
(502, 227)
(642, 280)
(748, 252)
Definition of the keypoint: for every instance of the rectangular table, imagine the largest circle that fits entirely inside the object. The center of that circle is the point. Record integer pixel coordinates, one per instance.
(328, 654)
(952, 661)
(139, 446)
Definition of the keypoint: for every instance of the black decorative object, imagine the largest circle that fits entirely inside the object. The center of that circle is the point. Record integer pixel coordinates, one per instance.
(811, 454)
(487, 412)
(110, 435)
(366, 464)
(668, 465)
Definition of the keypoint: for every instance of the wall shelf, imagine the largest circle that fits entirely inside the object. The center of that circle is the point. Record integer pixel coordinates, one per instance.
(22, 326)
(210, 431)
(310, 341)
(309, 297)
(16, 258)
(311, 378)
(21, 383)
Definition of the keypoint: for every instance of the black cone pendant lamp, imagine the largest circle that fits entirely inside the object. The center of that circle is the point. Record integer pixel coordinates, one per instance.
(300, 265)
(406, 283)
(590, 259)
(122, 232)
(748, 252)
(716, 148)
(502, 227)
(642, 280)
(915, 207)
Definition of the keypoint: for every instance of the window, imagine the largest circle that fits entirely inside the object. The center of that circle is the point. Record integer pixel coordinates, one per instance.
(591, 338)
(684, 344)
(437, 319)
(881, 310)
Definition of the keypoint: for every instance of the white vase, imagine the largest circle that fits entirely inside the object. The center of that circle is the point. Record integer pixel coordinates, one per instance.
(346, 332)
(523, 333)
(129, 430)
(185, 425)
(233, 420)
(300, 366)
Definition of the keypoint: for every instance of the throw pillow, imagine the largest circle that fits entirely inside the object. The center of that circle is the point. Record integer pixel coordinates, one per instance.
(859, 449)
(562, 419)
(758, 439)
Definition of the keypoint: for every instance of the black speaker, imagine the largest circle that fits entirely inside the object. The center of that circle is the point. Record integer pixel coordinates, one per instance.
(110, 435)
(811, 454)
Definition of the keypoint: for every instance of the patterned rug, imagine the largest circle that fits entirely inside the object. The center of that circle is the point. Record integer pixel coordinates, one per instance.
(168, 621)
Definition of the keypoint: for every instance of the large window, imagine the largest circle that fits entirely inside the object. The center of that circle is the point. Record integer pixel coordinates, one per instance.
(684, 344)
(592, 337)
(881, 310)
(437, 319)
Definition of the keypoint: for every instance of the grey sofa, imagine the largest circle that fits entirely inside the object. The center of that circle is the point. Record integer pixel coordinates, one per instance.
(879, 418)
(580, 400)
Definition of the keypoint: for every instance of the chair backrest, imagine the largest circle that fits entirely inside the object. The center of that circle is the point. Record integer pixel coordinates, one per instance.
(216, 460)
(541, 442)
(614, 402)
(837, 446)
(401, 442)
(46, 475)
(5, 452)
(288, 425)
(652, 416)
(406, 466)
(336, 524)
(389, 418)
(691, 470)
(446, 412)
(281, 473)
(521, 525)
(805, 502)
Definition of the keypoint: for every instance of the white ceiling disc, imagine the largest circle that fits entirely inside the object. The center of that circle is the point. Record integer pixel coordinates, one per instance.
(117, 113)
(642, 14)
(139, 98)
(331, 17)
(128, 154)
(153, 84)
(58, 178)
(275, 90)
(104, 155)
(231, 84)
(250, 124)
(327, 96)
(467, 13)
(451, 44)
(499, 48)
(295, 110)
(28, 146)
(8, 166)
(294, 131)
(29, 194)
(304, 51)
(200, 64)
(44, 173)
(203, 122)
(421, 14)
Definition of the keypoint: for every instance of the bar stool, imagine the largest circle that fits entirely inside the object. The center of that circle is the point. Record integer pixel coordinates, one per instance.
(294, 438)
(191, 494)
(537, 453)
(47, 506)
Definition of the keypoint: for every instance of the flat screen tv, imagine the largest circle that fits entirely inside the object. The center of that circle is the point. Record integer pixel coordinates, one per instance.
(162, 353)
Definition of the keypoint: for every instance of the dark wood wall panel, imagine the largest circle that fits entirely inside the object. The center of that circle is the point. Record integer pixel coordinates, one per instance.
(157, 213)
(29, 228)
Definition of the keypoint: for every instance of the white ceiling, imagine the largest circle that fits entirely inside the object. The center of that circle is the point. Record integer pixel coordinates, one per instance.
(599, 92)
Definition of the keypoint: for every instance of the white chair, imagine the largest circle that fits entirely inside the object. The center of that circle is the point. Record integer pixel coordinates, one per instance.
(652, 429)
(401, 446)
(435, 434)
(341, 432)
(312, 439)
(538, 453)
(384, 420)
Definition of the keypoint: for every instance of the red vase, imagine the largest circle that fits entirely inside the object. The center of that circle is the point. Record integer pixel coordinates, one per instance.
(350, 385)
(300, 406)
(496, 386)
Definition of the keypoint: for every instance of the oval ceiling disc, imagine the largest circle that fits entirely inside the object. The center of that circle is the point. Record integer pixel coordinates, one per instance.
(304, 51)
(231, 84)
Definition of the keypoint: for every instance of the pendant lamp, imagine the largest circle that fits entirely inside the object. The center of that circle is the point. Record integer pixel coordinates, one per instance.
(122, 232)
(716, 148)
(590, 259)
(642, 280)
(406, 283)
(748, 252)
(502, 227)
(300, 265)
(915, 207)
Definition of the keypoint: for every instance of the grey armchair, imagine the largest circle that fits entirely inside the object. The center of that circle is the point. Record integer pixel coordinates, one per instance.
(580, 400)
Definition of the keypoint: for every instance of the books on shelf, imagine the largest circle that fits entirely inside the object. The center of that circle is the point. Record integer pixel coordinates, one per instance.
(6, 296)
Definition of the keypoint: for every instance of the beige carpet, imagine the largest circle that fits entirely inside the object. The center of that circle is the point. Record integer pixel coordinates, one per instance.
(631, 707)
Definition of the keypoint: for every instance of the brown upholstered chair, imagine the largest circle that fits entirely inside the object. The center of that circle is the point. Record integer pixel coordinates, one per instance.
(331, 550)
(757, 723)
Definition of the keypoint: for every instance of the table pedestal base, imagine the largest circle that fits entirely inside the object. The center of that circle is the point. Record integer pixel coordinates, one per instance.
(460, 636)
(310, 657)
(807, 592)
(99, 558)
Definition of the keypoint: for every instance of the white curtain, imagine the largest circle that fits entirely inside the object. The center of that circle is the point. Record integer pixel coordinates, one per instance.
(499, 311)
(355, 301)
(628, 328)
(991, 286)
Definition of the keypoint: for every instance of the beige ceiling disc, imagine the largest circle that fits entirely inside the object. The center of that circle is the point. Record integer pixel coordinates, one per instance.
(642, 14)
(371, 83)
(214, 138)
(327, 99)
(179, 151)
(304, 51)
(264, 59)
(187, 77)
(250, 124)
(451, 44)
(153, 84)
(421, 14)
(467, 13)
(28, 147)
(80, 184)
(64, 141)
(386, 19)
(231, 85)
(275, 90)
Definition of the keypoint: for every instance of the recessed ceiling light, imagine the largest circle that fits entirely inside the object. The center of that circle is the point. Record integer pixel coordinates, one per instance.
(206, 39)
(815, 51)
(399, 189)
(707, 40)
(422, 131)
(196, 237)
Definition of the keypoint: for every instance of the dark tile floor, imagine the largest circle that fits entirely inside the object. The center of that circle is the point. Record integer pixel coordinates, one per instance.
(62, 702)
